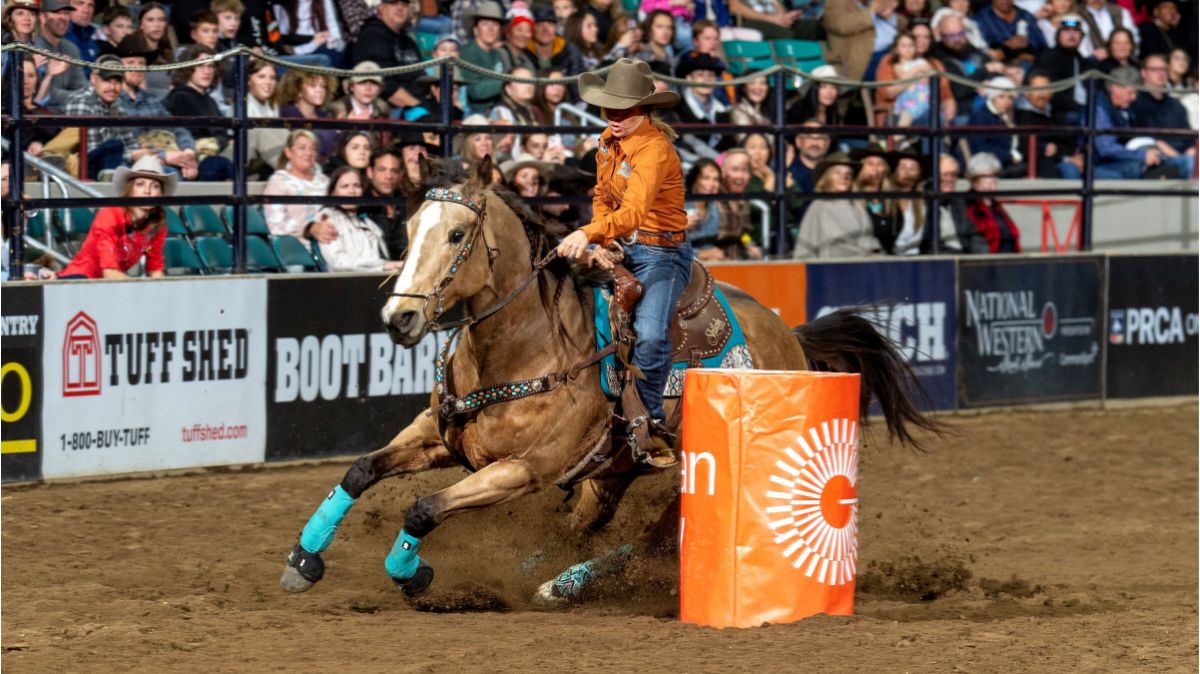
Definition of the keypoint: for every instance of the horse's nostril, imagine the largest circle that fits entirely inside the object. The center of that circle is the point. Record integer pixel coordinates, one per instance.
(405, 320)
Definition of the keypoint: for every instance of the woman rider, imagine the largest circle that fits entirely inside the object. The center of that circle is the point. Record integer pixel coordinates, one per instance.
(639, 200)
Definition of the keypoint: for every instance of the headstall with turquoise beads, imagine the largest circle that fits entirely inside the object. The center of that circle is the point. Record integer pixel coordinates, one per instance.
(460, 257)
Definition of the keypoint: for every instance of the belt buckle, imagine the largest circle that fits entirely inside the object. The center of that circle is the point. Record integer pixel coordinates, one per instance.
(631, 239)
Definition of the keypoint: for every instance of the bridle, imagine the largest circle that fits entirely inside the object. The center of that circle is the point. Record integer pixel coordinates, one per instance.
(460, 258)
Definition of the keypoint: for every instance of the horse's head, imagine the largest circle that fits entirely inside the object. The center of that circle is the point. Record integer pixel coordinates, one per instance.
(447, 260)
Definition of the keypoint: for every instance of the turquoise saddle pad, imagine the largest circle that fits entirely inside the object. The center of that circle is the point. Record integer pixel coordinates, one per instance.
(735, 354)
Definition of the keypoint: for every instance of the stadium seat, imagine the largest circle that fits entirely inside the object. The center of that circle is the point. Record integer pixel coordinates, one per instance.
(203, 221)
(216, 253)
(631, 7)
(293, 254)
(788, 52)
(175, 226)
(81, 222)
(35, 225)
(180, 259)
(260, 257)
(256, 224)
(426, 42)
(747, 56)
(314, 248)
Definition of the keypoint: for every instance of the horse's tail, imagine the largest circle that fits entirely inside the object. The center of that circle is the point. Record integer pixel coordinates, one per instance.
(843, 341)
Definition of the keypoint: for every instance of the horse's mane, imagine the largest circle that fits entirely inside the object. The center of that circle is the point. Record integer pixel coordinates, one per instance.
(544, 234)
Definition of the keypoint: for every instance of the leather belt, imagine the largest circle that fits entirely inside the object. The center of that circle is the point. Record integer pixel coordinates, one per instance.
(664, 239)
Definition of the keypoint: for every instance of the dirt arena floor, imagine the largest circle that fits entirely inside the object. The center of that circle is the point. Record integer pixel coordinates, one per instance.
(1038, 541)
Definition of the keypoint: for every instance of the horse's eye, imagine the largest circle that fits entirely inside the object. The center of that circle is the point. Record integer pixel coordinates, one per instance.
(457, 236)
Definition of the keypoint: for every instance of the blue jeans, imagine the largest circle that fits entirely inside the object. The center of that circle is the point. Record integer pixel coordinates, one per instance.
(435, 24)
(107, 155)
(665, 273)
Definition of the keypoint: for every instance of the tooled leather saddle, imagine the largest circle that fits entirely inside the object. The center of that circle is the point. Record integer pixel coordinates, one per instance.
(700, 327)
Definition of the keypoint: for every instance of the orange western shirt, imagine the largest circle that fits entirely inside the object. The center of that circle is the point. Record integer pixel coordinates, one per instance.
(639, 185)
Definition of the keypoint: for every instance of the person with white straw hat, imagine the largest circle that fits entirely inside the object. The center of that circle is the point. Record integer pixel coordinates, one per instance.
(121, 235)
(639, 201)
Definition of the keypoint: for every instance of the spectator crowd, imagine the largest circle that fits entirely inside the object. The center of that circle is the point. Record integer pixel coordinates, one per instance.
(997, 49)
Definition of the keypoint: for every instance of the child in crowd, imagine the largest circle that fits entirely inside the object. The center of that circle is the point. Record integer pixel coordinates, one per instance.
(912, 98)
(229, 22)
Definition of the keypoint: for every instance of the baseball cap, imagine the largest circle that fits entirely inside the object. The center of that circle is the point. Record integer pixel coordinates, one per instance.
(544, 13)
(109, 60)
(55, 5)
(1071, 21)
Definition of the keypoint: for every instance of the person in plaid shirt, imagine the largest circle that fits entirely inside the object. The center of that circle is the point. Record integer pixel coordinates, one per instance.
(107, 147)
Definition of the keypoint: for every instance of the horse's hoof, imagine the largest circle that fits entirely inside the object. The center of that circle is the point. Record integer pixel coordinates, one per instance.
(546, 598)
(421, 580)
(292, 581)
(304, 569)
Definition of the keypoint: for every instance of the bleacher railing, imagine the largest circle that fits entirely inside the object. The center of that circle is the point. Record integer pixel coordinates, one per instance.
(18, 123)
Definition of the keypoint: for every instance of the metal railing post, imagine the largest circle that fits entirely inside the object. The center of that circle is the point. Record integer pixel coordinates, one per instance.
(14, 218)
(241, 72)
(933, 203)
(779, 201)
(1089, 167)
(446, 72)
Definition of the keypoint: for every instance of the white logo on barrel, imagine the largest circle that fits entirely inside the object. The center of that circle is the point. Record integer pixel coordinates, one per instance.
(817, 499)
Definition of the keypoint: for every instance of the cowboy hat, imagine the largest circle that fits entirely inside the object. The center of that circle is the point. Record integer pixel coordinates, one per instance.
(410, 138)
(13, 5)
(525, 160)
(872, 150)
(146, 167)
(132, 45)
(485, 10)
(699, 62)
(361, 66)
(630, 84)
(894, 157)
(834, 159)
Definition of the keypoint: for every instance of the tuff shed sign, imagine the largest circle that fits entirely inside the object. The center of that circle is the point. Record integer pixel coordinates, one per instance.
(141, 366)
(81, 357)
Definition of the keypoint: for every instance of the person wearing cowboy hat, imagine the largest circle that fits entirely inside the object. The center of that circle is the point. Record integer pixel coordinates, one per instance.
(121, 235)
(19, 22)
(384, 40)
(484, 50)
(362, 99)
(639, 200)
(431, 98)
(834, 228)
(700, 106)
(525, 175)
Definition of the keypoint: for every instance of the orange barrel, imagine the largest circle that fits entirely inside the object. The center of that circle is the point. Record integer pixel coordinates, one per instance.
(768, 518)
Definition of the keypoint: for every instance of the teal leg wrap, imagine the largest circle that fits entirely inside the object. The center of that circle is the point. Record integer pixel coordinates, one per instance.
(321, 527)
(402, 561)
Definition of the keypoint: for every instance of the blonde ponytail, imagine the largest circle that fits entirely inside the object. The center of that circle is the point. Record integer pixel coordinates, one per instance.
(662, 126)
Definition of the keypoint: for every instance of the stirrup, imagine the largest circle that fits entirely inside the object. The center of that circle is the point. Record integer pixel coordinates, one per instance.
(659, 444)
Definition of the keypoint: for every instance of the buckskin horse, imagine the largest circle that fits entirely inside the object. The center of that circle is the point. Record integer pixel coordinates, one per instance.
(519, 401)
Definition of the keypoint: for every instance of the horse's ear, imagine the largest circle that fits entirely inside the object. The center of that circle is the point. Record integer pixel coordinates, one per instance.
(483, 173)
(428, 167)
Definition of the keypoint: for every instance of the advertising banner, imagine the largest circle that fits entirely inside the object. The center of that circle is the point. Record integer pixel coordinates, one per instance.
(21, 379)
(1152, 325)
(337, 384)
(1031, 330)
(912, 302)
(153, 375)
(777, 285)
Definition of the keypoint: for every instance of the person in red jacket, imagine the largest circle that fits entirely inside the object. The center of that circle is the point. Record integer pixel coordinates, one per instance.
(121, 235)
(986, 213)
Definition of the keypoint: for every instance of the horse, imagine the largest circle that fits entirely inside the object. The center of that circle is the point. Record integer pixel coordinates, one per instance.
(527, 353)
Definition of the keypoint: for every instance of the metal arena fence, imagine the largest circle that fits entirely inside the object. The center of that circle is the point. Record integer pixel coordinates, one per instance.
(934, 135)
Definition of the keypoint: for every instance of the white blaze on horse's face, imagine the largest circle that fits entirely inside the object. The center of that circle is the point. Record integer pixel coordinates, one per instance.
(422, 246)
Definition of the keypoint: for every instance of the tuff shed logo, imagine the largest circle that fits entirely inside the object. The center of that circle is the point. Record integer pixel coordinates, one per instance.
(81, 357)
(139, 358)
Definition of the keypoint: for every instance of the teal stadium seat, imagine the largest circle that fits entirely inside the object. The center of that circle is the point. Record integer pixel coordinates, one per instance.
(426, 42)
(747, 56)
(256, 224)
(180, 259)
(81, 222)
(35, 225)
(260, 257)
(216, 253)
(203, 221)
(294, 255)
(175, 226)
(788, 52)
